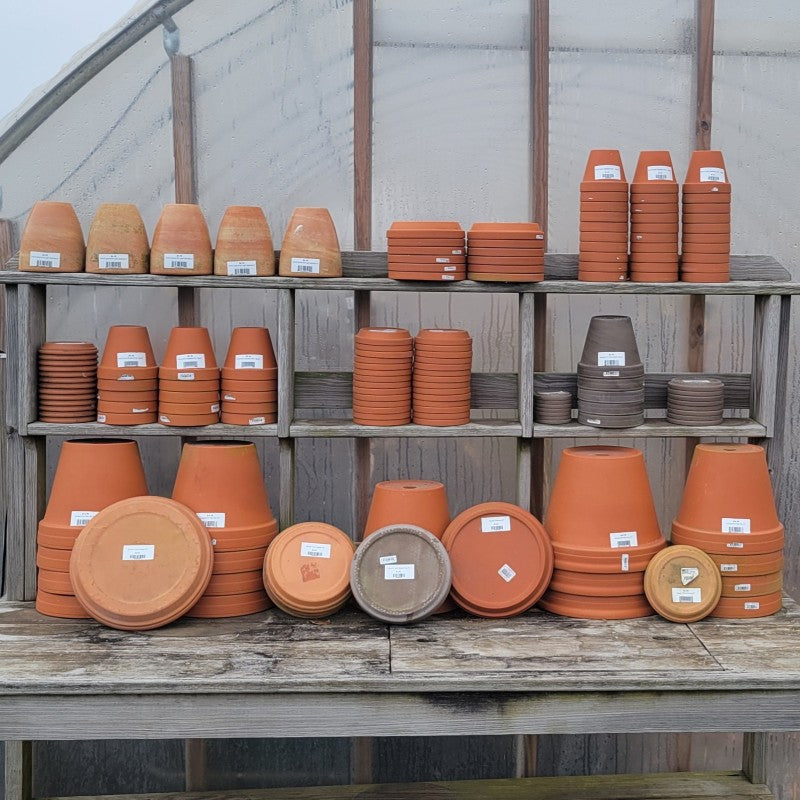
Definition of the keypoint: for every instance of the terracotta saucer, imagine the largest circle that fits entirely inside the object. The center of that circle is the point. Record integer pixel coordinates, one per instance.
(703, 228)
(642, 248)
(505, 230)
(586, 607)
(242, 538)
(124, 375)
(722, 543)
(736, 564)
(603, 227)
(397, 337)
(188, 421)
(420, 259)
(601, 266)
(708, 187)
(270, 397)
(229, 418)
(190, 409)
(706, 198)
(663, 260)
(54, 582)
(401, 275)
(605, 236)
(126, 419)
(506, 277)
(519, 252)
(450, 242)
(587, 254)
(430, 422)
(269, 375)
(690, 218)
(608, 276)
(239, 561)
(748, 608)
(505, 261)
(122, 385)
(644, 209)
(52, 559)
(602, 186)
(60, 605)
(403, 250)
(653, 238)
(188, 375)
(705, 258)
(107, 407)
(605, 216)
(648, 198)
(604, 196)
(403, 228)
(234, 583)
(717, 209)
(653, 227)
(604, 206)
(231, 605)
(68, 347)
(381, 422)
(597, 584)
(655, 188)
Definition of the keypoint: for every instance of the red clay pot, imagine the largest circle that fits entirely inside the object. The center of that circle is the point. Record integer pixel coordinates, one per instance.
(310, 246)
(128, 348)
(654, 173)
(59, 605)
(706, 173)
(735, 564)
(588, 607)
(604, 169)
(748, 607)
(52, 240)
(756, 586)
(181, 243)
(250, 349)
(416, 502)
(189, 348)
(244, 243)
(117, 242)
(52, 559)
(597, 584)
(229, 418)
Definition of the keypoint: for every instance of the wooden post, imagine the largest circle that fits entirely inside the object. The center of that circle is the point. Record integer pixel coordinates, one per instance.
(18, 770)
(6, 251)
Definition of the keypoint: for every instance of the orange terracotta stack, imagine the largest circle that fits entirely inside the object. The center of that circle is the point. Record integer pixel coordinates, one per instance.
(90, 476)
(442, 374)
(654, 219)
(382, 377)
(603, 254)
(222, 482)
(706, 244)
(127, 378)
(728, 511)
(505, 251)
(188, 380)
(250, 379)
(67, 382)
(427, 251)
(603, 525)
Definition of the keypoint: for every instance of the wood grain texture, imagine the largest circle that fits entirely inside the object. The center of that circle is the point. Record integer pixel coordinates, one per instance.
(767, 359)
(526, 334)
(95, 429)
(183, 128)
(540, 108)
(362, 122)
(302, 428)
(33, 333)
(18, 761)
(286, 358)
(705, 74)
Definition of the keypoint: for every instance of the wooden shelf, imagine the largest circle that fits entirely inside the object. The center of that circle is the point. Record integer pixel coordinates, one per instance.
(346, 428)
(745, 428)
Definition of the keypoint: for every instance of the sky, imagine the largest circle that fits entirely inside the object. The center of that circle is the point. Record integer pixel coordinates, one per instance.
(37, 37)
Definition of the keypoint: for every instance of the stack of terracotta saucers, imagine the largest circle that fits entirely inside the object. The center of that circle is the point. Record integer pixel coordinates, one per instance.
(188, 380)
(654, 219)
(603, 525)
(695, 401)
(442, 373)
(706, 245)
(603, 252)
(127, 378)
(426, 251)
(250, 379)
(552, 407)
(728, 511)
(67, 382)
(505, 251)
(382, 376)
(610, 375)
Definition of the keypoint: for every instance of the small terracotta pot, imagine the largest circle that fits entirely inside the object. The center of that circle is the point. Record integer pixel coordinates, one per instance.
(128, 347)
(250, 349)
(706, 172)
(604, 168)
(181, 243)
(244, 243)
(310, 246)
(52, 240)
(416, 502)
(654, 172)
(189, 348)
(117, 242)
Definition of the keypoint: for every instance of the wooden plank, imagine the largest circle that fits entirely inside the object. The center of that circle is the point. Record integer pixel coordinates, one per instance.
(525, 367)
(766, 361)
(183, 128)
(755, 757)
(540, 108)
(362, 464)
(32, 333)
(730, 427)
(362, 122)
(6, 250)
(704, 69)
(34, 506)
(286, 468)
(333, 428)
(18, 770)
(285, 357)
(195, 768)
(523, 494)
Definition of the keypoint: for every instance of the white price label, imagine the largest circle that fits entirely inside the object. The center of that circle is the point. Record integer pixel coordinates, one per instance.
(728, 567)
(315, 550)
(190, 361)
(77, 519)
(138, 552)
(212, 519)
(442, 260)
(387, 560)
(448, 277)
(241, 267)
(688, 574)
(249, 361)
(712, 175)
(659, 173)
(456, 252)
(735, 525)
(687, 595)
(101, 417)
(127, 377)
(752, 606)
(607, 172)
(140, 410)
(623, 539)
(742, 587)
(495, 524)
(257, 421)
(131, 359)
(113, 261)
(611, 374)
(611, 358)
(735, 545)
(506, 573)
(451, 268)
(47, 260)
(214, 408)
(624, 562)
(186, 376)
(398, 572)
(178, 260)
(305, 266)
(163, 418)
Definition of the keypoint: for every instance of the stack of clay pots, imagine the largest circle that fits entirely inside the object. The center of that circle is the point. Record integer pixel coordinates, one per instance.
(654, 219)
(244, 243)
(706, 245)
(52, 240)
(442, 370)
(695, 401)
(552, 407)
(117, 242)
(603, 525)
(610, 375)
(188, 380)
(181, 242)
(426, 251)
(505, 251)
(250, 379)
(127, 378)
(67, 382)
(382, 377)
(223, 483)
(603, 254)
(728, 511)
(310, 246)
(90, 476)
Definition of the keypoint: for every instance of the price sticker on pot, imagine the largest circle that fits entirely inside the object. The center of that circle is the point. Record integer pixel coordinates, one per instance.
(495, 524)
(506, 573)
(214, 408)
(178, 260)
(442, 260)
(138, 552)
(131, 359)
(46, 260)
(662, 173)
(448, 277)
(688, 574)
(186, 376)
(257, 421)
(610, 358)
(387, 560)
(398, 572)
(315, 550)
(79, 518)
(305, 266)
(249, 361)
(456, 252)
(624, 562)
(611, 374)
(212, 519)
(735, 525)
(712, 175)
(742, 587)
(191, 361)
(687, 595)
(607, 172)
(735, 545)
(113, 261)
(623, 539)
(728, 567)
(241, 267)
(451, 268)
(752, 606)
(127, 377)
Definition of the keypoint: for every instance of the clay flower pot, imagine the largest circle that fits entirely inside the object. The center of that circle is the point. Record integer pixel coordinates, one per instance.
(250, 349)
(420, 503)
(604, 172)
(706, 174)
(654, 175)
(610, 342)
(117, 242)
(189, 348)
(127, 348)
(310, 246)
(181, 243)
(52, 240)
(244, 243)
(591, 607)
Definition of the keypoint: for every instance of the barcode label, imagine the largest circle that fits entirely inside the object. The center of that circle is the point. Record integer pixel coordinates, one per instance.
(256, 421)
(456, 252)
(178, 261)
(249, 361)
(451, 268)
(624, 562)
(48, 260)
(315, 550)
(77, 519)
(611, 374)
(495, 524)
(212, 519)
(101, 417)
(735, 545)
(442, 260)
(506, 573)
(113, 261)
(241, 267)
(607, 172)
(712, 175)
(742, 587)
(448, 277)
(611, 359)
(126, 377)
(735, 525)
(138, 552)
(623, 539)
(659, 173)
(728, 567)
(752, 606)
(387, 560)
(687, 596)
(398, 572)
(186, 376)
(306, 266)
(190, 361)
(131, 360)
(688, 574)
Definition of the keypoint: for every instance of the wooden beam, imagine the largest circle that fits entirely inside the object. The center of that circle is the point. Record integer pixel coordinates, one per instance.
(18, 758)
(362, 121)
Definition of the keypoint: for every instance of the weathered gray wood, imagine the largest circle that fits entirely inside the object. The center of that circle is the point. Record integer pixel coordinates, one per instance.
(195, 766)
(32, 333)
(18, 770)
(525, 366)
(286, 466)
(652, 427)
(766, 361)
(755, 757)
(333, 428)
(524, 473)
(285, 358)
(34, 505)
(183, 128)
(94, 429)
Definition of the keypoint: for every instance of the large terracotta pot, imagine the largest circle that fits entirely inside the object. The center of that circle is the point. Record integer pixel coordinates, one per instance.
(310, 246)
(244, 243)
(181, 242)
(420, 503)
(52, 240)
(117, 242)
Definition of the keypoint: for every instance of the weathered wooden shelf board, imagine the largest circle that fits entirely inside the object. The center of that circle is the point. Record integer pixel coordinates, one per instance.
(744, 428)
(346, 428)
(98, 430)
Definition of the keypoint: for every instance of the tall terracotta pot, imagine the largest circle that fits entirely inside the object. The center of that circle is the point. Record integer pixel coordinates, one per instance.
(52, 240)
(420, 503)
(117, 242)
(244, 243)
(310, 246)
(181, 242)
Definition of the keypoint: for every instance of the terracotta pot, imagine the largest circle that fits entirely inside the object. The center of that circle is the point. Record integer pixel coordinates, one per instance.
(181, 243)
(410, 229)
(767, 541)
(52, 240)
(54, 582)
(597, 584)
(59, 605)
(748, 607)
(53, 559)
(706, 172)
(126, 419)
(117, 242)
(756, 586)
(251, 409)
(244, 243)
(587, 607)
(654, 172)
(189, 348)
(735, 564)
(133, 407)
(610, 341)
(141, 563)
(604, 169)
(169, 397)
(128, 348)
(133, 396)
(188, 409)
(234, 605)
(188, 387)
(249, 398)
(234, 583)
(250, 349)
(233, 561)
(416, 502)
(310, 246)
(604, 206)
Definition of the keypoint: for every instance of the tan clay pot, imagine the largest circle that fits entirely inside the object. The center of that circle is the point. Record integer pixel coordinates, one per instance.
(310, 246)
(117, 242)
(181, 243)
(244, 243)
(52, 240)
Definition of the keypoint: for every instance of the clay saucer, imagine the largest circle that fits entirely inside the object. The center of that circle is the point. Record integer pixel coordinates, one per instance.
(746, 544)
(241, 397)
(442, 337)
(403, 228)
(506, 261)
(587, 254)
(748, 608)
(379, 394)
(642, 248)
(54, 582)
(190, 409)
(653, 227)
(67, 419)
(620, 248)
(705, 258)
(449, 242)
(126, 385)
(67, 372)
(141, 563)
(505, 230)
(648, 198)
(707, 249)
(733, 586)
(397, 337)
(611, 420)
(429, 422)
(588, 607)
(659, 188)
(183, 397)
(703, 228)
(126, 419)
(433, 351)
(691, 218)
(598, 584)
(54, 560)
(56, 537)
(644, 209)
(232, 561)
(604, 207)
(662, 261)
(419, 259)
(234, 583)
(696, 384)
(587, 226)
(710, 187)
(229, 418)
(59, 605)
(373, 422)
(603, 186)
(187, 420)
(499, 252)
(67, 347)
(189, 388)
(506, 277)
(653, 277)
(654, 238)
(444, 398)
(391, 384)
(251, 409)
(716, 209)
(404, 250)
(645, 220)
(611, 196)
(147, 407)
(393, 365)
(605, 216)
(605, 236)
(232, 605)
(601, 266)
(703, 198)
(67, 394)
(603, 277)
(243, 538)
(268, 375)
(421, 275)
